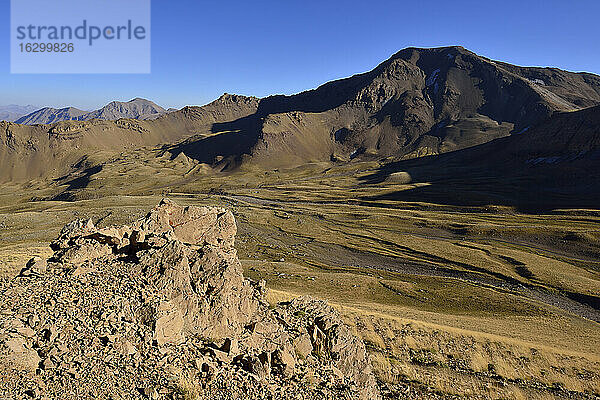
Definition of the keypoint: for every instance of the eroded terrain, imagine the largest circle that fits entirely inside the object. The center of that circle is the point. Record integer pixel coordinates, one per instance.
(486, 301)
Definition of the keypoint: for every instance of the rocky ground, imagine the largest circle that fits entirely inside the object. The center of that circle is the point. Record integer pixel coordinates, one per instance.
(160, 310)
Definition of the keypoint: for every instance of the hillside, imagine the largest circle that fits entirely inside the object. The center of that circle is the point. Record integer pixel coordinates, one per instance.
(13, 112)
(49, 115)
(28, 152)
(181, 293)
(552, 165)
(419, 102)
(134, 109)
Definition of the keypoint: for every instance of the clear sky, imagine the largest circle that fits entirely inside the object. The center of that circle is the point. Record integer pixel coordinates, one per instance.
(201, 49)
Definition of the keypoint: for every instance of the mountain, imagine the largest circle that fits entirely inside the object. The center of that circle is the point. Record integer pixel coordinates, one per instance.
(564, 136)
(553, 165)
(56, 149)
(48, 115)
(134, 109)
(13, 112)
(419, 102)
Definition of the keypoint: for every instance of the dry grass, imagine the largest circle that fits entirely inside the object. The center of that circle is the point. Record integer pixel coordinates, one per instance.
(14, 258)
(188, 387)
(461, 362)
(448, 334)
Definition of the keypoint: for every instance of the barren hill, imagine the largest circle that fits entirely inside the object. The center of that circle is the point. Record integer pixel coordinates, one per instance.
(28, 152)
(552, 165)
(13, 112)
(135, 109)
(49, 115)
(419, 102)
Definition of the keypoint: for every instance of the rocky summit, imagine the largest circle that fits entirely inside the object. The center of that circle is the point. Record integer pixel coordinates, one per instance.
(160, 310)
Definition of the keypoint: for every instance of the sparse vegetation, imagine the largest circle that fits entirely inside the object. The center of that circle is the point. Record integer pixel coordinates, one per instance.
(445, 333)
(464, 277)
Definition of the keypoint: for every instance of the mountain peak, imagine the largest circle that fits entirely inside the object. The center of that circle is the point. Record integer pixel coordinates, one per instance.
(48, 115)
(12, 112)
(140, 100)
(136, 108)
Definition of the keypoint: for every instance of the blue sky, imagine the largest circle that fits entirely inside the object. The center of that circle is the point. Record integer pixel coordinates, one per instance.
(202, 49)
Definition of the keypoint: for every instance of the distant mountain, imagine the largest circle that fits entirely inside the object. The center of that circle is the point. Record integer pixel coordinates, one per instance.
(48, 115)
(56, 149)
(135, 109)
(13, 112)
(419, 102)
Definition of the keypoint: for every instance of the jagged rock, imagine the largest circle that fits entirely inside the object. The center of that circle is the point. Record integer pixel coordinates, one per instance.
(190, 225)
(20, 355)
(168, 327)
(231, 346)
(75, 229)
(125, 311)
(261, 365)
(303, 345)
(332, 339)
(284, 360)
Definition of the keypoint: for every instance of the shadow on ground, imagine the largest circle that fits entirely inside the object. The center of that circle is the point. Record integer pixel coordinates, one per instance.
(484, 175)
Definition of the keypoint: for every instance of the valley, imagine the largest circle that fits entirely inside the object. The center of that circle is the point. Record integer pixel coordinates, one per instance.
(444, 203)
(491, 275)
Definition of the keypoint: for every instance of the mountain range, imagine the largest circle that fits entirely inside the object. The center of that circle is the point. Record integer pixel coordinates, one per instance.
(446, 204)
(419, 102)
(13, 112)
(416, 104)
(135, 109)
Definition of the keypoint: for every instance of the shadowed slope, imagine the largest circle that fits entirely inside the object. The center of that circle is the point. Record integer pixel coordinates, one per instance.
(419, 102)
(552, 166)
(28, 152)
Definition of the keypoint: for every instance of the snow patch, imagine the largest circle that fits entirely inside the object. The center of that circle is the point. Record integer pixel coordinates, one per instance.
(538, 82)
(356, 153)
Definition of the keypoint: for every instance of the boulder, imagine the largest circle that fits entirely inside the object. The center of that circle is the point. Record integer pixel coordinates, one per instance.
(129, 311)
(20, 355)
(303, 345)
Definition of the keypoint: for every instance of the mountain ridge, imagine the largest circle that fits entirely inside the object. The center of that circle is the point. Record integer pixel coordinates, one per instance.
(551, 166)
(12, 112)
(418, 102)
(136, 108)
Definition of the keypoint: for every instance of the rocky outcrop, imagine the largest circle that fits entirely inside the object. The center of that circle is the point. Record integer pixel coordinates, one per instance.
(160, 309)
